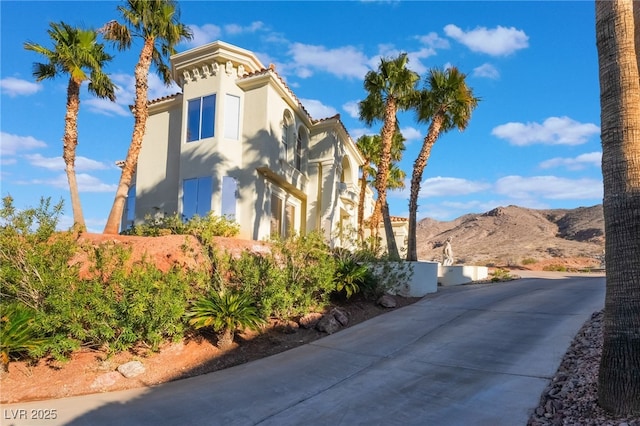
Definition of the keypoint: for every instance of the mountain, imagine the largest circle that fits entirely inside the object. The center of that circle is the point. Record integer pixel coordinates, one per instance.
(511, 235)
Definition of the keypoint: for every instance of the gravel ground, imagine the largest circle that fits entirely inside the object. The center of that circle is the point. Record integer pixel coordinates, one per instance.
(571, 397)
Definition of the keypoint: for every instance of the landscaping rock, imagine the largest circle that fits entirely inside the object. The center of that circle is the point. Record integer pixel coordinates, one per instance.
(310, 320)
(328, 324)
(387, 301)
(106, 380)
(341, 316)
(131, 369)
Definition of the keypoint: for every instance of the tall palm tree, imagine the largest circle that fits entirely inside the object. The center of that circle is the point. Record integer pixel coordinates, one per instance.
(77, 53)
(370, 147)
(390, 89)
(619, 63)
(447, 102)
(157, 24)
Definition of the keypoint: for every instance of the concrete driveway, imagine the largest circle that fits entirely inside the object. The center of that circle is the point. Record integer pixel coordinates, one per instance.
(469, 355)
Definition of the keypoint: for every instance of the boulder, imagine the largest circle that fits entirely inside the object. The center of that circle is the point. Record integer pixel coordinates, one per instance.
(341, 316)
(387, 301)
(328, 324)
(131, 369)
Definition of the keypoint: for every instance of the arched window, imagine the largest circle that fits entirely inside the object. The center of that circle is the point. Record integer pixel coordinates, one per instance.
(287, 127)
(298, 157)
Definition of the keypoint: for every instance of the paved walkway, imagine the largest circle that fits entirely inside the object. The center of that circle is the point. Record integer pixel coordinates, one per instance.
(467, 355)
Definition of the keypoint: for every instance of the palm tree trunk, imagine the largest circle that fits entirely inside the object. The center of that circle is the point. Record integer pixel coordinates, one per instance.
(392, 246)
(140, 113)
(388, 130)
(619, 376)
(361, 198)
(416, 180)
(70, 142)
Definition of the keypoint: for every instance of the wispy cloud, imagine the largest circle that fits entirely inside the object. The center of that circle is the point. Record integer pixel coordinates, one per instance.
(486, 71)
(57, 163)
(553, 131)
(317, 109)
(352, 108)
(235, 29)
(449, 186)
(343, 62)
(86, 183)
(411, 133)
(204, 34)
(499, 41)
(549, 187)
(17, 87)
(13, 144)
(591, 159)
(125, 94)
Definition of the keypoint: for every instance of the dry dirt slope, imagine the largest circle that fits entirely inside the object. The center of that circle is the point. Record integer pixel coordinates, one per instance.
(508, 235)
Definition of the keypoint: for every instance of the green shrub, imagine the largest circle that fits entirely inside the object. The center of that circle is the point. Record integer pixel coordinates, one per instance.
(202, 227)
(529, 261)
(555, 268)
(351, 276)
(500, 274)
(226, 312)
(18, 333)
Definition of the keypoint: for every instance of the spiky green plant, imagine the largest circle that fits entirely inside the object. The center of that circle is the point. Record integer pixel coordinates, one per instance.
(18, 334)
(225, 312)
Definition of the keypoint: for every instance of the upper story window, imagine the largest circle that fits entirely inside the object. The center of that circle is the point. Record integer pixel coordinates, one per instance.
(287, 127)
(201, 118)
(298, 158)
(231, 117)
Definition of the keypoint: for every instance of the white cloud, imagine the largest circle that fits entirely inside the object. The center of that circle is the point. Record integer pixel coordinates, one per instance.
(356, 133)
(447, 186)
(204, 34)
(317, 110)
(106, 107)
(12, 144)
(125, 94)
(235, 29)
(434, 40)
(411, 133)
(593, 159)
(352, 108)
(57, 163)
(499, 41)
(550, 187)
(86, 183)
(553, 131)
(17, 87)
(487, 71)
(343, 62)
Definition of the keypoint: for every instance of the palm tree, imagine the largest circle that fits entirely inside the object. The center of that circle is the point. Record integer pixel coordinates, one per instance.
(619, 376)
(157, 23)
(390, 89)
(75, 52)
(447, 102)
(369, 147)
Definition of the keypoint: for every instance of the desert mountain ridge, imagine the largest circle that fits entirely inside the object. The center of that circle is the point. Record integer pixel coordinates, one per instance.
(510, 235)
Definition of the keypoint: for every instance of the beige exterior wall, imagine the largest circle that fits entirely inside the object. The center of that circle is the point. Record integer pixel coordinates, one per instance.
(322, 194)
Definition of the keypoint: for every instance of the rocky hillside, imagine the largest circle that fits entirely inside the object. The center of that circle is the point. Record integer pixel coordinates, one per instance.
(515, 235)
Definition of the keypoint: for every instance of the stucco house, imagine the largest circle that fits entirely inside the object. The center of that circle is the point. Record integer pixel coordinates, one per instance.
(238, 142)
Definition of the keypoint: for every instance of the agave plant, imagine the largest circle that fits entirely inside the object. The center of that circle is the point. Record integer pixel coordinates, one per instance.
(225, 312)
(18, 333)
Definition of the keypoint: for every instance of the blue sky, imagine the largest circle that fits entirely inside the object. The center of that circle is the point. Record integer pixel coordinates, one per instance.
(533, 140)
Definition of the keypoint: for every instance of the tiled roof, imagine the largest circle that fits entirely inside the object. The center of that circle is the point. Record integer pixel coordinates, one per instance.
(164, 98)
(272, 69)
